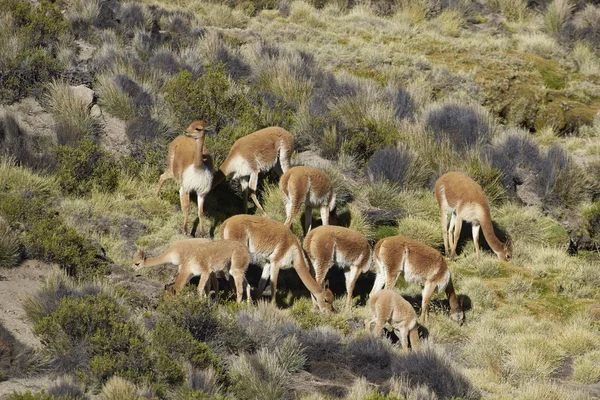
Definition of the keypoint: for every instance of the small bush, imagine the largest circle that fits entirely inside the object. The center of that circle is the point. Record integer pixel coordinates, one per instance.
(16, 359)
(209, 98)
(323, 344)
(85, 168)
(73, 119)
(10, 247)
(259, 376)
(435, 370)
(513, 10)
(47, 237)
(587, 62)
(556, 14)
(93, 337)
(427, 232)
(117, 388)
(370, 357)
(586, 369)
(35, 30)
(462, 126)
(25, 149)
(591, 218)
(400, 166)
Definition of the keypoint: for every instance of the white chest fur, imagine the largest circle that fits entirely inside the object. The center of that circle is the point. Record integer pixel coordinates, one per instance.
(197, 180)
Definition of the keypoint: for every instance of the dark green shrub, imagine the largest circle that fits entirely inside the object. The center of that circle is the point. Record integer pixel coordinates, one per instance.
(10, 247)
(46, 236)
(591, 218)
(38, 28)
(363, 141)
(98, 324)
(172, 343)
(86, 167)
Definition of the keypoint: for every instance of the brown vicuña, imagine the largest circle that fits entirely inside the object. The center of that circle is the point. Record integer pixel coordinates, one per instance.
(309, 186)
(464, 198)
(328, 245)
(275, 241)
(418, 263)
(255, 153)
(388, 306)
(204, 258)
(189, 163)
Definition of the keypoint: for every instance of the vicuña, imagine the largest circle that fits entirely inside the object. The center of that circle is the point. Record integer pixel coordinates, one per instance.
(309, 186)
(255, 153)
(273, 240)
(463, 197)
(189, 163)
(328, 245)
(388, 306)
(204, 258)
(419, 264)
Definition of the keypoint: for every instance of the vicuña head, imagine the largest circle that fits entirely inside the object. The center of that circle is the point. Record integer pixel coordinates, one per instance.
(189, 163)
(418, 263)
(255, 153)
(465, 200)
(273, 241)
(309, 186)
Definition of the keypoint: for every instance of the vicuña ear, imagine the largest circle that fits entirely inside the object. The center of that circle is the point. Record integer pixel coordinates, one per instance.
(326, 285)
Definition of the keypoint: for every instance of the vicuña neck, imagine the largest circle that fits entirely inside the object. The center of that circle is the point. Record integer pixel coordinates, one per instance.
(304, 273)
(488, 232)
(158, 260)
(198, 154)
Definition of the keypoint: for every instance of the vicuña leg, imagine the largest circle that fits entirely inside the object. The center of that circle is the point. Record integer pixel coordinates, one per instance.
(201, 213)
(253, 184)
(325, 215)
(291, 211)
(307, 217)
(457, 228)
(181, 281)
(402, 334)
(428, 290)
(184, 199)
(244, 185)
(274, 276)
(475, 229)
(202, 284)
(166, 175)
(444, 217)
(351, 278)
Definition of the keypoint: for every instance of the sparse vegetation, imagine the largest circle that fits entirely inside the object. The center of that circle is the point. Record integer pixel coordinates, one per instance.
(393, 95)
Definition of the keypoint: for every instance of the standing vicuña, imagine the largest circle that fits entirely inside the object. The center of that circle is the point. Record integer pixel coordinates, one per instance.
(309, 186)
(254, 153)
(275, 241)
(419, 264)
(202, 257)
(327, 245)
(389, 306)
(464, 198)
(191, 166)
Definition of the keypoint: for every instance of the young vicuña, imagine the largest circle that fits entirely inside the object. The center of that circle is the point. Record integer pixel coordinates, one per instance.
(255, 153)
(309, 186)
(388, 306)
(418, 263)
(189, 163)
(203, 257)
(328, 245)
(464, 198)
(275, 241)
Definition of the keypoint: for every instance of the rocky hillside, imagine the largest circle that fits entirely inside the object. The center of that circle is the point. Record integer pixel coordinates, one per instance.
(383, 96)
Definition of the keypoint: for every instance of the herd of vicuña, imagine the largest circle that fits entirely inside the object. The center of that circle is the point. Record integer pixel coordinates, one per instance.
(260, 240)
